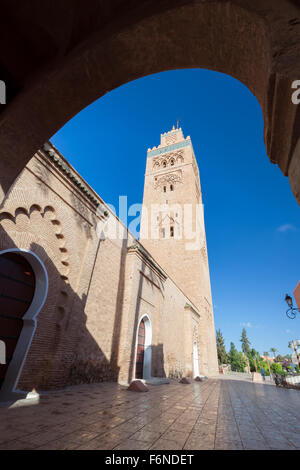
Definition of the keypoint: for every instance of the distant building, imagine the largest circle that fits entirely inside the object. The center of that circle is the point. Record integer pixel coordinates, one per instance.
(270, 359)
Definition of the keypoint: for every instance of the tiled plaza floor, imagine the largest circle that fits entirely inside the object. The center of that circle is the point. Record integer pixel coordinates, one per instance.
(214, 414)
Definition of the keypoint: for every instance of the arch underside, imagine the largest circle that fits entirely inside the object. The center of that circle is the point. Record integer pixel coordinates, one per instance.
(68, 61)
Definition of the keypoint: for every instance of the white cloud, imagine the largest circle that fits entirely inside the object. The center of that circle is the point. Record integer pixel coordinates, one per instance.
(288, 331)
(247, 324)
(286, 228)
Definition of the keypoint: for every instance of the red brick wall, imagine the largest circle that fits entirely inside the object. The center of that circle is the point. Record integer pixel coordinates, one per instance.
(86, 330)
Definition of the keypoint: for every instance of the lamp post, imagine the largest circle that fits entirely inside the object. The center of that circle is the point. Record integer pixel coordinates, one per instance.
(291, 311)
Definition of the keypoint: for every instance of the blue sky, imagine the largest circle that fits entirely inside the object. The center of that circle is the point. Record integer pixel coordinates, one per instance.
(251, 216)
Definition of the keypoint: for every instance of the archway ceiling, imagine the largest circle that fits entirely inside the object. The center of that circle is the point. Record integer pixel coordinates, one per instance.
(58, 57)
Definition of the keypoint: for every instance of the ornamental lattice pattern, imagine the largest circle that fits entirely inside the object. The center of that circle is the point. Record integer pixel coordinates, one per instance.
(171, 139)
(173, 177)
(168, 159)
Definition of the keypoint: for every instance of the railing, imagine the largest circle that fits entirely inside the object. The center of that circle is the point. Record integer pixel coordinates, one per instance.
(293, 379)
(238, 374)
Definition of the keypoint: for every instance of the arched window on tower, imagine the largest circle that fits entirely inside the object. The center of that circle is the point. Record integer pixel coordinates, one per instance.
(171, 187)
(164, 164)
(165, 189)
(172, 162)
(171, 231)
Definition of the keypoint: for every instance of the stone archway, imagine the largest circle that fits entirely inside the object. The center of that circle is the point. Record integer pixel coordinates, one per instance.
(60, 56)
(24, 330)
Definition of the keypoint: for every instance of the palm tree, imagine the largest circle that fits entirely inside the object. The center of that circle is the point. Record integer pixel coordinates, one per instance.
(266, 354)
(273, 350)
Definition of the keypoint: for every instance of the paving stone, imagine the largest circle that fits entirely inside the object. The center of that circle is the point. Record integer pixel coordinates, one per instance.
(164, 444)
(95, 445)
(254, 444)
(215, 414)
(146, 436)
(17, 445)
(59, 445)
(81, 436)
(176, 436)
(39, 439)
(130, 444)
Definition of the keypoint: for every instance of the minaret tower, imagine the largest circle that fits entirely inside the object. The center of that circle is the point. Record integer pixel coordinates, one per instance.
(173, 231)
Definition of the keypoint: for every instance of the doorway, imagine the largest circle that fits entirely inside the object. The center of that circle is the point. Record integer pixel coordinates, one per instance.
(17, 287)
(143, 362)
(139, 366)
(196, 359)
(23, 291)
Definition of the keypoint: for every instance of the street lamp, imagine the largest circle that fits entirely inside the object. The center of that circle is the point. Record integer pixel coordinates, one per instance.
(291, 311)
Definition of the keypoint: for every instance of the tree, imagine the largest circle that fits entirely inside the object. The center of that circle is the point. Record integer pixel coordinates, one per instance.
(222, 355)
(236, 359)
(278, 358)
(245, 343)
(273, 350)
(266, 354)
(277, 368)
(264, 365)
(285, 362)
(255, 360)
(255, 354)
